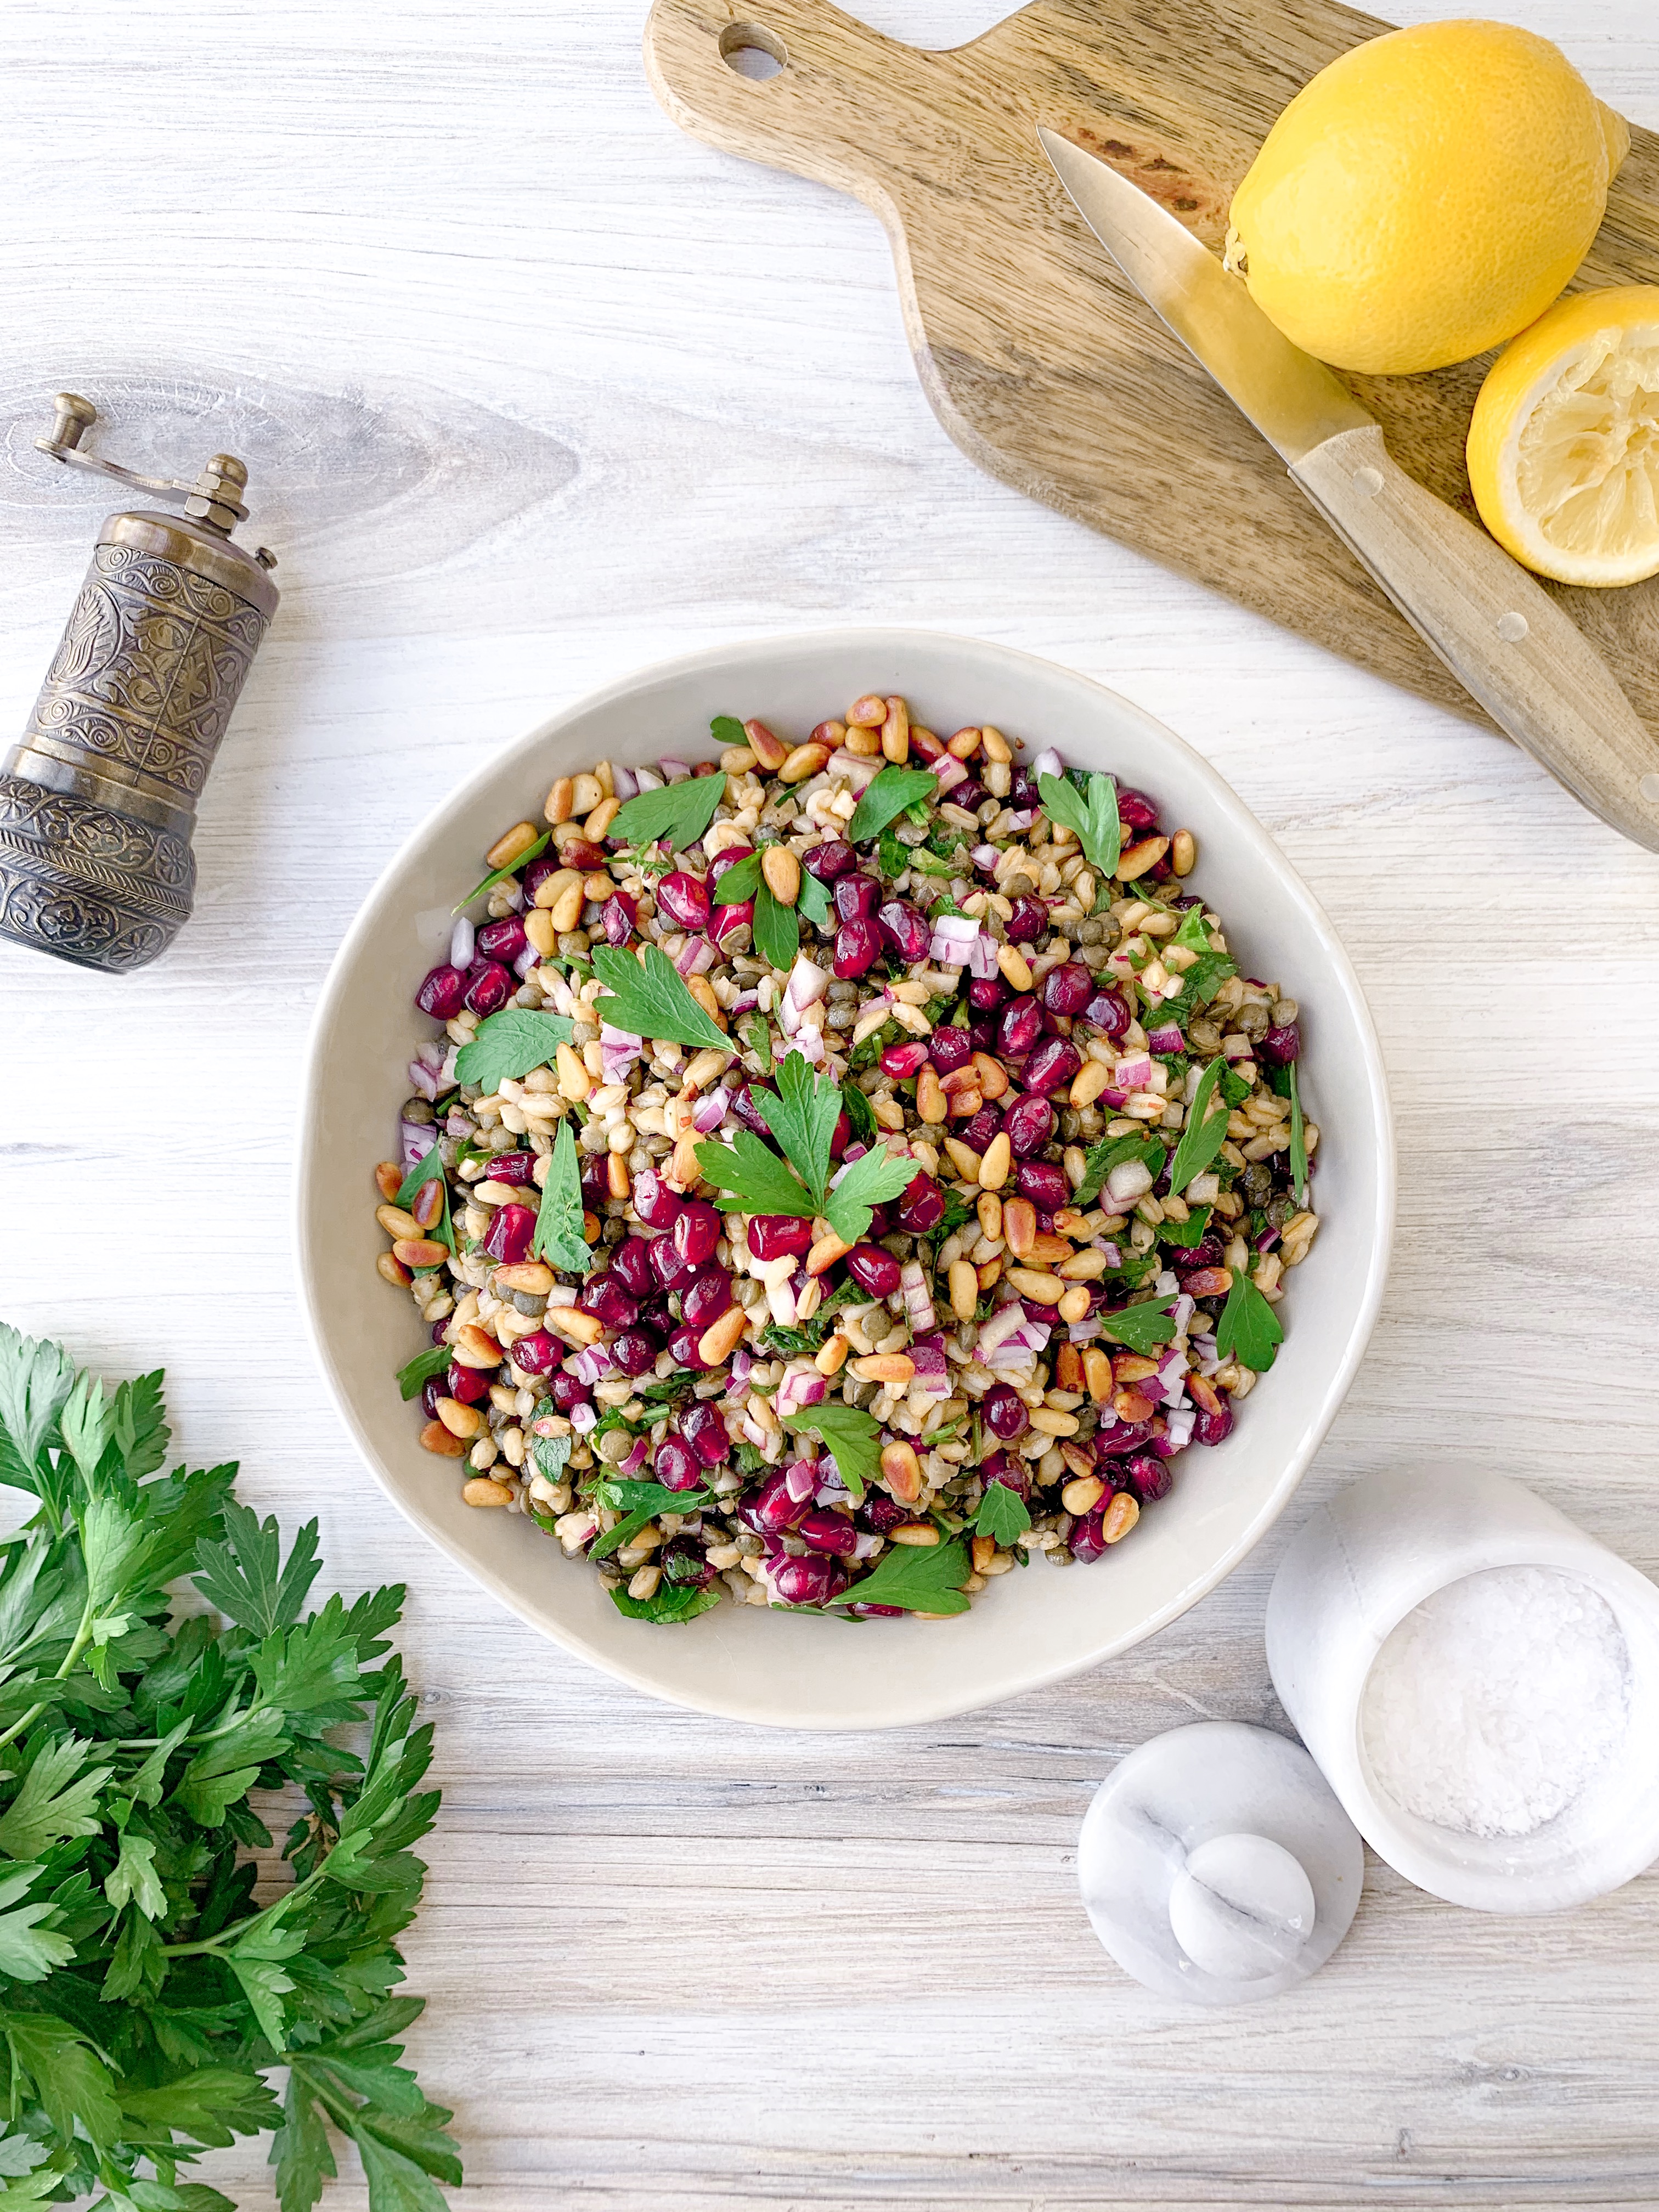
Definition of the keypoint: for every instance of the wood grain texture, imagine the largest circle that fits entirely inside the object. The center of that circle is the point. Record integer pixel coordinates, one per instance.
(534, 388)
(1038, 356)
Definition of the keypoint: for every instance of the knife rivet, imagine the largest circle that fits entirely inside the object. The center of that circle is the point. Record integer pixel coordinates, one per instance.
(1649, 788)
(1512, 627)
(1368, 483)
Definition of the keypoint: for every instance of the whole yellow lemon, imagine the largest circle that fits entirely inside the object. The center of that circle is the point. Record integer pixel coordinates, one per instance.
(1425, 196)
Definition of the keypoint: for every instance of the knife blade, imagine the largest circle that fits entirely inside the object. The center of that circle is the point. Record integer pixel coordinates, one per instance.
(1499, 631)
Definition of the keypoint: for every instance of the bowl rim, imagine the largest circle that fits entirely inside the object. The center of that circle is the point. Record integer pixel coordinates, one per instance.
(913, 1709)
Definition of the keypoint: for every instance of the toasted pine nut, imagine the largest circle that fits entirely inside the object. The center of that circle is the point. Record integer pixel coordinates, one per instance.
(551, 889)
(1084, 1494)
(737, 760)
(988, 1207)
(435, 1437)
(1015, 968)
(388, 1180)
(1068, 1373)
(684, 1166)
(901, 1470)
(644, 1582)
(1184, 852)
(704, 992)
(895, 731)
(932, 1104)
(428, 1203)
(1074, 1306)
(825, 1253)
(618, 1181)
(993, 1076)
(966, 1162)
(1047, 1290)
(397, 1223)
(484, 1490)
(964, 1289)
(1133, 1367)
(1139, 858)
(706, 1068)
(964, 744)
(391, 1270)
(720, 1339)
(1119, 1518)
(769, 750)
(585, 794)
(598, 824)
(1097, 1374)
(985, 1551)
(990, 1273)
(419, 1252)
(575, 1081)
(460, 1420)
(529, 1275)
(805, 760)
(570, 1322)
(998, 1160)
(997, 747)
(1049, 1422)
(472, 1348)
(884, 1367)
(559, 807)
(782, 872)
(866, 744)
(868, 713)
(1019, 1226)
(1208, 1282)
(1082, 1267)
(538, 928)
(567, 909)
(512, 845)
(832, 1356)
(1131, 1405)
(1090, 1079)
(919, 1532)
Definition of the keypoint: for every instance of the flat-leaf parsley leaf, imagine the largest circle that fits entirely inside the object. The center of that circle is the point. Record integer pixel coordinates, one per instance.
(651, 1000)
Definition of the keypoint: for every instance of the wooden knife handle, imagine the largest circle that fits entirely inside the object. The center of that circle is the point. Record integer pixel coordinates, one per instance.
(1500, 634)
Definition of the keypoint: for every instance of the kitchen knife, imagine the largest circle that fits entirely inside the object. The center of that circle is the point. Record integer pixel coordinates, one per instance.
(1500, 634)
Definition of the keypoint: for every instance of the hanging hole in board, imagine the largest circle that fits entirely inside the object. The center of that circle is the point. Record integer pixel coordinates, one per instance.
(753, 52)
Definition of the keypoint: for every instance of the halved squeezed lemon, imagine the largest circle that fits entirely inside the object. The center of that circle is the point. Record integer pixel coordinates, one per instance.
(1563, 446)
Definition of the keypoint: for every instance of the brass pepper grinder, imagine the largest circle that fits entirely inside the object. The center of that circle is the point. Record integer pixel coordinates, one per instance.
(98, 801)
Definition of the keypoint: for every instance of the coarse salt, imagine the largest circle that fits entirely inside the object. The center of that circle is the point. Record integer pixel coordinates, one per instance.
(1494, 1703)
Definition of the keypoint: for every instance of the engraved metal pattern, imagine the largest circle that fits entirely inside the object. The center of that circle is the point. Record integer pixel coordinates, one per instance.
(148, 670)
(87, 883)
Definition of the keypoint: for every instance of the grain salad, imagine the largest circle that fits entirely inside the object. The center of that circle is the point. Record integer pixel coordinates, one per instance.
(841, 1174)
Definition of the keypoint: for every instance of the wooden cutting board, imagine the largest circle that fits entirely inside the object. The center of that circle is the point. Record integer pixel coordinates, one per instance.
(1042, 364)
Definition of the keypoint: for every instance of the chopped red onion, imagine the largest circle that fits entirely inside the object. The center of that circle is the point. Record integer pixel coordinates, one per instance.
(1180, 1424)
(857, 771)
(1166, 1285)
(982, 957)
(867, 1547)
(557, 987)
(416, 1140)
(696, 957)
(618, 1050)
(583, 1418)
(929, 1359)
(435, 1054)
(1082, 1332)
(1166, 1037)
(984, 856)
(810, 1045)
(801, 1480)
(1047, 762)
(1134, 1074)
(675, 770)
(807, 983)
(424, 1078)
(1023, 820)
(636, 1458)
(950, 772)
(526, 960)
(1237, 1047)
(623, 783)
(590, 1365)
(1129, 1181)
(711, 1111)
(743, 1363)
(746, 1002)
(648, 779)
(1183, 1311)
(918, 1306)
(1267, 1240)
(1113, 1257)
(462, 944)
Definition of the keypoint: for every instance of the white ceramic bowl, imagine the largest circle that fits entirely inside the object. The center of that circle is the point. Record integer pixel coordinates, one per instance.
(1030, 1627)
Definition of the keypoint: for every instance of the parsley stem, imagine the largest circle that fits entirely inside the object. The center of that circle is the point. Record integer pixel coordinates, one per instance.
(233, 1934)
(72, 1660)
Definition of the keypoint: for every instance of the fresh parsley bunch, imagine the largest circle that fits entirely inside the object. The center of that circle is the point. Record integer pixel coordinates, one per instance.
(143, 1993)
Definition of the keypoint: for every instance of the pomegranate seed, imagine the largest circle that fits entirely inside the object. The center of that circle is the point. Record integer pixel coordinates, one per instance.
(1021, 1026)
(503, 940)
(1042, 1183)
(1211, 1428)
(811, 1581)
(969, 796)
(538, 1354)
(673, 1272)
(829, 1532)
(855, 897)
(631, 1265)
(952, 1047)
(682, 899)
(1190, 1259)
(879, 1514)
(1030, 1123)
(772, 1234)
(1024, 790)
(1127, 1437)
(432, 1389)
(1005, 1413)
(1136, 811)
(1028, 920)
(683, 1563)
(728, 858)
(675, 1465)
(657, 1205)
(903, 928)
(858, 945)
(512, 1167)
(1108, 1012)
(683, 1345)
(981, 1131)
(985, 994)
(841, 1135)
(537, 874)
(707, 1433)
(609, 1302)
(770, 1509)
(874, 1270)
(831, 859)
(743, 1105)
(488, 988)
(920, 1207)
(730, 919)
(902, 1060)
(1089, 1536)
(620, 918)
(443, 993)
(1009, 1470)
(1282, 1045)
(1068, 988)
(634, 1351)
(706, 1300)
(1055, 1060)
(569, 1391)
(698, 1231)
(469, 1384)
(508, 1238)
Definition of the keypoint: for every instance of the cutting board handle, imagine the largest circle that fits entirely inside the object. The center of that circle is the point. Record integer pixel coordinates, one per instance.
(829, 113)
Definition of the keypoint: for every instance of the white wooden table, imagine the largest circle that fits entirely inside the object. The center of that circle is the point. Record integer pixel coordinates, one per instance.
(533, 390)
